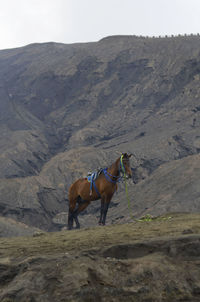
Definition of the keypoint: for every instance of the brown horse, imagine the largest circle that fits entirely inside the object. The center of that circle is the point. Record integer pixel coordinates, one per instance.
(80, 194)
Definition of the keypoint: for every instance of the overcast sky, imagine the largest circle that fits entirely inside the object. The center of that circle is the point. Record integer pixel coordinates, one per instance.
(68, 21)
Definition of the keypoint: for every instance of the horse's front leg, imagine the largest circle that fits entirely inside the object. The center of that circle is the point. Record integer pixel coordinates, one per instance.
(101, 211)
(105, 202)
(105, 210)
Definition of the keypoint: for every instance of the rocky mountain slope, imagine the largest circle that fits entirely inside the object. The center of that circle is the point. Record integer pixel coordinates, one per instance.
(154, 261)
(67, 109)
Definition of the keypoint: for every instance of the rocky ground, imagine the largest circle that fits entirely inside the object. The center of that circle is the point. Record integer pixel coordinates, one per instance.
(148, 260)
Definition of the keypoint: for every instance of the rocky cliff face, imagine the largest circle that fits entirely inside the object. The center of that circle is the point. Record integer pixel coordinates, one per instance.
(67, 109)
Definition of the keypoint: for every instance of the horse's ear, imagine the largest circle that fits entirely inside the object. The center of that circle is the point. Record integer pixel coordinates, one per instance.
(118, 152)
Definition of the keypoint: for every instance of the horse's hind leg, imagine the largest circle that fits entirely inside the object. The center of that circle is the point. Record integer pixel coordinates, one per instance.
(70, 219)
(76, 220)
(72, 205)
(82, 204)
(76, 212)
(75, 208)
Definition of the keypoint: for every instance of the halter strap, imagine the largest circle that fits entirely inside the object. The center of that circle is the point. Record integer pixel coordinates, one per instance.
(117, 178)
(108, 177)
(112, 175)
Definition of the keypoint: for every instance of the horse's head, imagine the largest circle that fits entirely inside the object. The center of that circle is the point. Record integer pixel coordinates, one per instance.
(125, 164)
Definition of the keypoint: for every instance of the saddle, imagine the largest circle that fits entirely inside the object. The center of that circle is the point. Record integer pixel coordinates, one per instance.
(91, 177)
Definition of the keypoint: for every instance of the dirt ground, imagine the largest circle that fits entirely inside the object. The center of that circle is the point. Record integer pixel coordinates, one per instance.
(148, 260)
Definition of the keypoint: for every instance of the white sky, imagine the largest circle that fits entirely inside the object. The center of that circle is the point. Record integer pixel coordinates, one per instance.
(68, 21)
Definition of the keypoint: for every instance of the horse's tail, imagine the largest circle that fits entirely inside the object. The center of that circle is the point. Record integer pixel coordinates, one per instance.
(72, 193)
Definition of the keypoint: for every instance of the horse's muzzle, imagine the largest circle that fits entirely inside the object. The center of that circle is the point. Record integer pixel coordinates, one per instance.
(129, 175)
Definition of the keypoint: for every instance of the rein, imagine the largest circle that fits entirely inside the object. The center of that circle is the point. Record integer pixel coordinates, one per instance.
(126, 187)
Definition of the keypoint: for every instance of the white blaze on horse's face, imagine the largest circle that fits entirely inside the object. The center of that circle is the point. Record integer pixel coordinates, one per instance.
(126, 163)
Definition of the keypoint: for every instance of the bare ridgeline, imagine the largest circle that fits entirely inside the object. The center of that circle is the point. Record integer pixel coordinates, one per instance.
(66, 109)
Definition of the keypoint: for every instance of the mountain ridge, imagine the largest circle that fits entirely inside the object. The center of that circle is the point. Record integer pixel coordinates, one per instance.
(67, 109)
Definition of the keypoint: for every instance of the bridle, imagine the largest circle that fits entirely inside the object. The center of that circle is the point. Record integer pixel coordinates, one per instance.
(116, 179)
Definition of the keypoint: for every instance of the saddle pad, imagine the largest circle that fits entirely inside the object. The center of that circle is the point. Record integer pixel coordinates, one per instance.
(92, 177)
